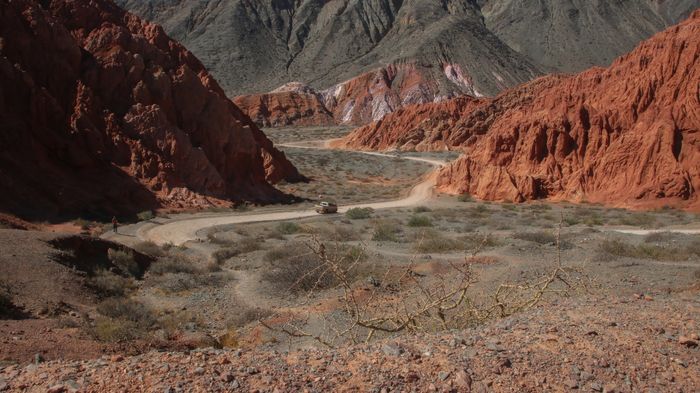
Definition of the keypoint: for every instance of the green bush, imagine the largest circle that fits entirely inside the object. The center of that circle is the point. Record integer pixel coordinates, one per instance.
(359, 213)
(127, 309)
(465, 198)
(174, 264)
(145, 215)
(536, 237)
(108, 284)
(433, 242)
(287, 228)
(421, 209)
(475, 241)
(116, 330)
(149, 248)
(122, 319)
(124, 261)
(342, 234)
(82, 224)
(420, 221)
(616, 248)
(386, 231)
(643, 220)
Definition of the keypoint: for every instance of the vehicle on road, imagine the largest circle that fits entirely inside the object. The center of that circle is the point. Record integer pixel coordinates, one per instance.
(326, 208)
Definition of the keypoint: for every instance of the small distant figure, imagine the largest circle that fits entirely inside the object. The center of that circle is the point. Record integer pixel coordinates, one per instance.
(115, 224)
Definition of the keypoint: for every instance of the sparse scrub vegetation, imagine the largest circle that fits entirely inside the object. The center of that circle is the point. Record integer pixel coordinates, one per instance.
(149, 248)
(541, 237)
(359, 213)
(340, 233)
(643, 220)
(421, 209)
(421, 304)
(145, 215)
(386, 231)
(465, 198)
(242, 246)
(247, 315)
(296, 267)
(122, 320)
(83, 224)
(418, 221)
(107, 284)
(479, 241)
(183, 282)
(433, 242)
(611, 249)
(124, 261)
(287, 228)
(174, 264)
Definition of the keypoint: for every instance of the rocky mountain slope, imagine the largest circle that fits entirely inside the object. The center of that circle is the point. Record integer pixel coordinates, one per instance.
(570, 36)
(103, 113)
(256, 47)
(625, 135)
(367, 58)
(362, 58)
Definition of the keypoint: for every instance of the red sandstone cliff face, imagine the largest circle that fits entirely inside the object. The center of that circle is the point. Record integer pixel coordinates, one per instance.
(101, 112)
(291, 104)
(625, 135)
(361, 100)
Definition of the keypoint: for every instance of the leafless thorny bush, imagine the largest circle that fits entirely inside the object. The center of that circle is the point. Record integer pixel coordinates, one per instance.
(405, 301)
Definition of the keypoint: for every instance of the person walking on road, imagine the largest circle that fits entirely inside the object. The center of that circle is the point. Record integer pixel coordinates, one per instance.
(115, 224)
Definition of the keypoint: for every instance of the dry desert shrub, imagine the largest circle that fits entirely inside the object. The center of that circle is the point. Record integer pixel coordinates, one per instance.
(359, 213)
(540, 237)
(174, 264)
(108, 284)
(287, 228)
(404, 300)
(149, 248)
(242, 246)
(386, 231)
(420, 221)
(124, 261)
(297, 267)
(122, 320)
(613, 249)
(247, 315)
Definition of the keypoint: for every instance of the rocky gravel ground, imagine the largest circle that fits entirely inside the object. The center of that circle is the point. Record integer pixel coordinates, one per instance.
(630, 344)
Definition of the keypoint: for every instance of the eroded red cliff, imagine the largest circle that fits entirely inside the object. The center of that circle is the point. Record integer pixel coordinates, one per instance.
(360, 100)
(101, 112)
(627, 135)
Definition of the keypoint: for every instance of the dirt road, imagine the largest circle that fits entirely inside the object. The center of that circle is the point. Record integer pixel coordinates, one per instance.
(181, 231)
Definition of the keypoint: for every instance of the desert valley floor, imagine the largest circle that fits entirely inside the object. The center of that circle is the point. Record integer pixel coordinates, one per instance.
(622, 316)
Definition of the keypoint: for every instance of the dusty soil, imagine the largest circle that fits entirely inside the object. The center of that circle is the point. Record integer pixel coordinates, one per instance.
(610, 344)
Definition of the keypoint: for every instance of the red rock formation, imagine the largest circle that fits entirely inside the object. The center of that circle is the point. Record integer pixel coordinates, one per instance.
(627, 135)
(357, 101)
(447, 125)
(101, 112)
(292, 104)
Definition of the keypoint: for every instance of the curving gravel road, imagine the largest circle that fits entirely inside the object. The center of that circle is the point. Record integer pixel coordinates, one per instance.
(181, 231)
